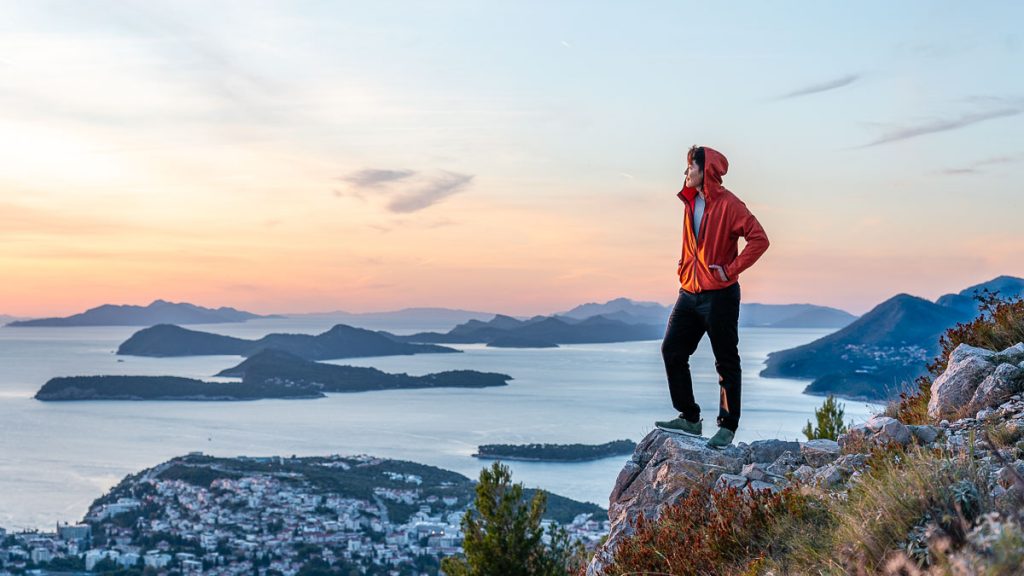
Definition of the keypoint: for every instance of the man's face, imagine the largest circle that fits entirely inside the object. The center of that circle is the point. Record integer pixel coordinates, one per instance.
(694, 175)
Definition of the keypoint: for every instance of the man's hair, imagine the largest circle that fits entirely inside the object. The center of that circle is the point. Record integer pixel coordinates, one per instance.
(696, 153)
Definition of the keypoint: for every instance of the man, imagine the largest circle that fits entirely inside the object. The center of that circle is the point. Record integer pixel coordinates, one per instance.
(709, 293)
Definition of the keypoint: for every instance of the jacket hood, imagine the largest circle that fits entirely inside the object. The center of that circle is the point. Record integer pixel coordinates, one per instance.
(716, 165)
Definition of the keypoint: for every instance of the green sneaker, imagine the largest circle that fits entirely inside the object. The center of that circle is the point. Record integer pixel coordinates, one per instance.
(680, 425)
(721, 439)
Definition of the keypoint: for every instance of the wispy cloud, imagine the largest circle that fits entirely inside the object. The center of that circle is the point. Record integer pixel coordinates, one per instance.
(439, 188)
(945, 125)
(374, 178)
(979, 166)
(822, 87)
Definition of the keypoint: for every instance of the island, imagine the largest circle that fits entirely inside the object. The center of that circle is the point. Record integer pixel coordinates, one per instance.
(341, 341)
(555, 452)
(276, 366)
(157, 312)
(65, 388)
(269, 374)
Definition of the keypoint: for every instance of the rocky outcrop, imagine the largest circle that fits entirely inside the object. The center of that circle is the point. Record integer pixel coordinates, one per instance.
(977, 379)
(666, 465)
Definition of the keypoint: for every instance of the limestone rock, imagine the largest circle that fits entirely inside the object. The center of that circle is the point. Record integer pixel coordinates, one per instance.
(1012, 355)
(964, 351)
(759, 485)
(924, 434)
(888, 429)
(784, 464)
(819, 452)
(804, 473)
(767, 451)
(997, 387)
(659, 474)
(731, 481)
(754, 471)
(829, 476)
(968, 366)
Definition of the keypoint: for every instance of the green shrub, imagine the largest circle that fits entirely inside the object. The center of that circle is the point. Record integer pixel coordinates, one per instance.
(503, 533)
(830, 421)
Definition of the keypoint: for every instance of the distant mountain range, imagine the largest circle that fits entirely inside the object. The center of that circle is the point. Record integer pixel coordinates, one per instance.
(340, 341)
(406, 318)
(751, 315)
(874, 357)
(4, 319)
(158, 312)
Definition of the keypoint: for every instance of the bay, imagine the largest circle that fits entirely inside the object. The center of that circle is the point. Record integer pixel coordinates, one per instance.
(56, 458)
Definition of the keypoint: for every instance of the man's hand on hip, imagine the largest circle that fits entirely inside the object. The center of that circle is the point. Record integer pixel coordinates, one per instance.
(719, 272)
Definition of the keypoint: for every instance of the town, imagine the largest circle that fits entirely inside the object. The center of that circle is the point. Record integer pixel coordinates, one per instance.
(198, 515)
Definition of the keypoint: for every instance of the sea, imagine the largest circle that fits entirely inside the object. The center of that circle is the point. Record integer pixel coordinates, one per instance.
(57, 457)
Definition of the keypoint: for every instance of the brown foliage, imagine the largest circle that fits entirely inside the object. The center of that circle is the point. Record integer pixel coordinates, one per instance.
(724, 531)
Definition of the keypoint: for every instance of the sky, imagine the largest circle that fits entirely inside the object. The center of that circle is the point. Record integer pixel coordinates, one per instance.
(514, 157)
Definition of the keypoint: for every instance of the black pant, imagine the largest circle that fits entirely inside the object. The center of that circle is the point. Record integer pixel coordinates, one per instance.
(717, 313)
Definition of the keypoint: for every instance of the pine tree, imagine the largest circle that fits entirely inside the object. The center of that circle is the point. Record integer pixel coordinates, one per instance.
(503, 533)
(830, 421)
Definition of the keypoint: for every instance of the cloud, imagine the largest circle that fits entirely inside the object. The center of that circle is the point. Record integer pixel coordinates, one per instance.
(978, 167)
(439, 188)
(945, 125)
(374, 178)
(822, 87)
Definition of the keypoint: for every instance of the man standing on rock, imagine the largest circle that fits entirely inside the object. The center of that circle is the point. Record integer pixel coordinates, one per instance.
(709, 294)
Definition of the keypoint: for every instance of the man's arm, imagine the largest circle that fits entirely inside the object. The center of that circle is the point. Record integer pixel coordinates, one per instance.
(746, 225)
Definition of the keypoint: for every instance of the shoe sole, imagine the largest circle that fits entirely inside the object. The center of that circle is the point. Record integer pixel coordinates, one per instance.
(678, 431)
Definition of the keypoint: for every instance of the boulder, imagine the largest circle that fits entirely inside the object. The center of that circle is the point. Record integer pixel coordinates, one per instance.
(767, 451)
(804, 473)
(819, 452)
(829, 476)
(924, 434)
(886, 429)
(784, 464)
(967, 367)
(963, 351)
(731, 481)
(997, 387)
(759, 485)
(1012, 355)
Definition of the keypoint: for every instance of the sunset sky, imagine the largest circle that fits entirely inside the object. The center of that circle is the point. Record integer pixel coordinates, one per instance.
(516, 157)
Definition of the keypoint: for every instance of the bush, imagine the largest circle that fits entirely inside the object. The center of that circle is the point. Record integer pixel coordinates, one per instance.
(830, 421)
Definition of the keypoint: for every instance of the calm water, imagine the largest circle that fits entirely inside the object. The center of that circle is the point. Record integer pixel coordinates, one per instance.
(55, 458)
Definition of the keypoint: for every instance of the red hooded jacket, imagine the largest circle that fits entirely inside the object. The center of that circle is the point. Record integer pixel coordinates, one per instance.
(726, 219)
